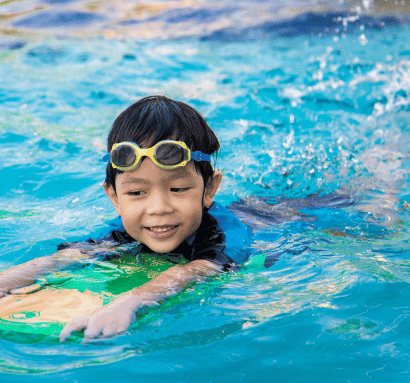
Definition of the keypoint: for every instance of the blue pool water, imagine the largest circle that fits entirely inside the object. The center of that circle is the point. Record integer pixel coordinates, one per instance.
(305, 99)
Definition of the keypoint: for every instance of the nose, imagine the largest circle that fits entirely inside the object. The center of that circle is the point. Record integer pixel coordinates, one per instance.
(159, 203)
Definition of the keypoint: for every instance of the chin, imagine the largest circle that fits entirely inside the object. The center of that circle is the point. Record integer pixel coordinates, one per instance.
(163, 249)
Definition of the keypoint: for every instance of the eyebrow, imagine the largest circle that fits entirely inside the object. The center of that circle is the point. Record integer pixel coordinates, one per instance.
(135, 180)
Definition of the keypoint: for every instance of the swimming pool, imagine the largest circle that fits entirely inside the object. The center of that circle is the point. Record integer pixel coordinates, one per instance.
(307, 103)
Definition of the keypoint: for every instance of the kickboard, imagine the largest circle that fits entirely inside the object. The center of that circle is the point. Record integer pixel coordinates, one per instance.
(41, 310)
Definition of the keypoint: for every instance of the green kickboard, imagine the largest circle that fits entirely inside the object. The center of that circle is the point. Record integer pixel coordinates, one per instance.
(40, 311)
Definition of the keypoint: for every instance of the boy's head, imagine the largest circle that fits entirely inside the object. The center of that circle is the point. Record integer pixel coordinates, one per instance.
(162, 207)
(157, 118)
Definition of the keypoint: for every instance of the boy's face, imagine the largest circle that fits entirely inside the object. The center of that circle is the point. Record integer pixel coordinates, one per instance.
(161, 208)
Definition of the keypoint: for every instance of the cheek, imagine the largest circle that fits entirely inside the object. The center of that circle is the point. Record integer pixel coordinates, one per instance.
(129, 211)
(196, 215)
(131, 221)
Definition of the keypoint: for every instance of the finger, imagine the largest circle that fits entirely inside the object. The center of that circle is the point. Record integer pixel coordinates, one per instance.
(110, 330)
(75, 324)
(153, 303)
(124, 326)
(168, 293)
(118, 327)
(94, 328)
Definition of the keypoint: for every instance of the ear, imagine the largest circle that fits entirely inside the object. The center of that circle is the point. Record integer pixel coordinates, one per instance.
(211, 188)
(112, 195)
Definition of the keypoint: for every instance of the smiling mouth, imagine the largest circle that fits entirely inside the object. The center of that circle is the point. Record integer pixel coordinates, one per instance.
(161, 231)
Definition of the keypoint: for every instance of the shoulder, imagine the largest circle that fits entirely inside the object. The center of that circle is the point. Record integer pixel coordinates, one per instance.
(238, 236)
(113, 225)
(236, 232)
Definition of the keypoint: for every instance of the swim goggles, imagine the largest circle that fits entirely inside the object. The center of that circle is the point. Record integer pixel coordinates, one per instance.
(126, 156)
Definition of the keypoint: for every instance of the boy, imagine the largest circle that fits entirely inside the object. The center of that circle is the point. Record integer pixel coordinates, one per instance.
(162, 185)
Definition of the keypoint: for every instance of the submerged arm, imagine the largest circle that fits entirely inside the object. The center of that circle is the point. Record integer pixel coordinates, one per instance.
(26, 273)
(118, 315)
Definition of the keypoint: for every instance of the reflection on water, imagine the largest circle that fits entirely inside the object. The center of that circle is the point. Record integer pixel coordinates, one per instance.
(185, 18)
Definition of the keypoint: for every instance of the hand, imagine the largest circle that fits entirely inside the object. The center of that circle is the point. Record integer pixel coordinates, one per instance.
(106, 321)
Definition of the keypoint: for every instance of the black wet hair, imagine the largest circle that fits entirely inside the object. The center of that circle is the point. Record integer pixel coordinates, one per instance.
(157, 118)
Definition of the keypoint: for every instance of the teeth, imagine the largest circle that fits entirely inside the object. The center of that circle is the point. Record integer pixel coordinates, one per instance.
(161, 229)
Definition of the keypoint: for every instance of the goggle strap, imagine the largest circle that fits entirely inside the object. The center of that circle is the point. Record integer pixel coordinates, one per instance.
(199, 156)
(106, 158)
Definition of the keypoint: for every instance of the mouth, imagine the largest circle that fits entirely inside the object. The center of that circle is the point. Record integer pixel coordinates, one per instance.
(161, 231)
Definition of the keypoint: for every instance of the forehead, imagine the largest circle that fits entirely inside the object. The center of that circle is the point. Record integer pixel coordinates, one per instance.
(156, 135)
(149, 173)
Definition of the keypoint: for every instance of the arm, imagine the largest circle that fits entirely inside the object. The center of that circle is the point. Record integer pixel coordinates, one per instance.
(67, 254)
(118, 315)
(26, 273)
